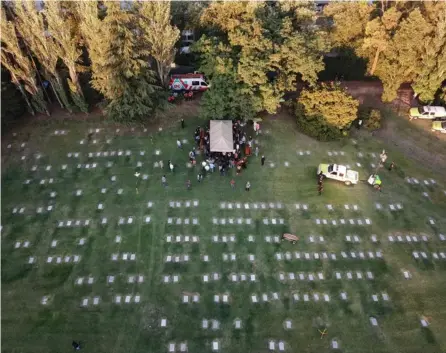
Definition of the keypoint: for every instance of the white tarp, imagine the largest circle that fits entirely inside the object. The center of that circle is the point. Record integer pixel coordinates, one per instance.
(221, 136)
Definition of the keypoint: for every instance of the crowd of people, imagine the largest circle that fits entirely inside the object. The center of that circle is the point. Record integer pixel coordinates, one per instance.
(243, 148)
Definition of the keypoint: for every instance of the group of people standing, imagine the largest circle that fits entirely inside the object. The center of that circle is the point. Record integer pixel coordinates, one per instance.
(238, 158)
(243, 148)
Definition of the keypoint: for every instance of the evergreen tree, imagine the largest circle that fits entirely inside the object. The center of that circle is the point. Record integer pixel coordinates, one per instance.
(226, 100)
(119, 61)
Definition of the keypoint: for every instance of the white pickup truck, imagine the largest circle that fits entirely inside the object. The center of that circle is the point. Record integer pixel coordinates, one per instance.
(339, 172)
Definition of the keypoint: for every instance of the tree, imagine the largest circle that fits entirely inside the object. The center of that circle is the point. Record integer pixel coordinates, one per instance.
(159, 35)
(332, 103)
(403, 59)
(19, 65)
(270, 46)
(63, 29)
(97, 42)
(378, 36)
(118, 60)
(30, 23)
(432, 72)
(186, 14)
(403, 42)
(349, 22)
(226, 100)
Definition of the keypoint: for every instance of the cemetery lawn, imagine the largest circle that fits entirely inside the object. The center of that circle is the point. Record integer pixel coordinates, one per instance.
(30, 326)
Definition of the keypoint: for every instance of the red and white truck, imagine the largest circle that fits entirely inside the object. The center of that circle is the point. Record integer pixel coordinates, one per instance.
(188, 82)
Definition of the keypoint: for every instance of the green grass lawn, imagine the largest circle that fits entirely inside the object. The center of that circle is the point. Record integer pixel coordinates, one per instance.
(29, 326)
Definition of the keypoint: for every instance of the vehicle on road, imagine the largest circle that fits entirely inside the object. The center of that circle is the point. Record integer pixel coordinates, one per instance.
(427, 112)
(339, 172)
(439, 125)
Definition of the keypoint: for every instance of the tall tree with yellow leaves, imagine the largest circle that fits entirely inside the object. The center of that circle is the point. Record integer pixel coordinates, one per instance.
(61, 24)
(159, 34)
(22, 70)
(30, 24)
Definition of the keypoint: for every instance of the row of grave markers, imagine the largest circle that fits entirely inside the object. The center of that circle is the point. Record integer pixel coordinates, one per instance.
(320, 276)
(332, 256)
(247, 206)
(342, 221)
(418, 255)
(110, 279)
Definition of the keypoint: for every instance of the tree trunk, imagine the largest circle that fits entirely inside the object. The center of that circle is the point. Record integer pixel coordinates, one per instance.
(22, 91)
(161, 74)
(53, 84)
(375, 62)
(75, 80)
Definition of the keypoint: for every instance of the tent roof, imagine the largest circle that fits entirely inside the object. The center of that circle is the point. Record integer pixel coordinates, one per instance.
(221, 136)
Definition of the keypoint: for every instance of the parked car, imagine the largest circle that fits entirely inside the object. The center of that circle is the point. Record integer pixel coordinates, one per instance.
(427, 112)
(339, 172)
(439, 125)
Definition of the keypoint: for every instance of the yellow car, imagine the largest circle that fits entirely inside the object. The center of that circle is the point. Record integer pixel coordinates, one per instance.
(439, 126)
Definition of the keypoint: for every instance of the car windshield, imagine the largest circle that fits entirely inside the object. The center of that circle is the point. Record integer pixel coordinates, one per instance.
(330, 168)
(421, 110)
(443, 124)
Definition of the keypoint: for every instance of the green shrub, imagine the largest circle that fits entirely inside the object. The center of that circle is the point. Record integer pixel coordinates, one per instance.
(373, 121)
(316, 126)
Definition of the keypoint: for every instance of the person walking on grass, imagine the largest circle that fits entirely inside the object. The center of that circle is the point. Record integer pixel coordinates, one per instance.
(164, 180)
(391, 166)
(182, 123)
(263, 160)
(188, 184)
(171, 166)
(179, 144)
(232, 183)
(320, 188)
(199, 177)
(257, 151)
(248, 186)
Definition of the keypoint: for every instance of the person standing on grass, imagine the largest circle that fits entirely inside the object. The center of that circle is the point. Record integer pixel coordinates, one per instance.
(164, 180)
(320, 188)
(391, 166)
(171, 166)
(232, 183)
(257, 151)
(179, 144)
(263, 160)
(199, 177)
(188, 184)
(76, 345)
(182, 123)
(248, 186)
(320, 178)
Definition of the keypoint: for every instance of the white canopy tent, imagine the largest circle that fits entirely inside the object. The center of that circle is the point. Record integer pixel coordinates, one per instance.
(221, 136)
